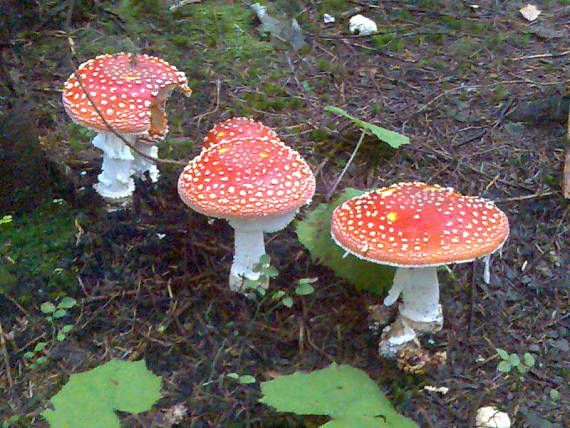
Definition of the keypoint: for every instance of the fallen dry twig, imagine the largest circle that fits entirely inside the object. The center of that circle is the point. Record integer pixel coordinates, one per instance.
(566, 174)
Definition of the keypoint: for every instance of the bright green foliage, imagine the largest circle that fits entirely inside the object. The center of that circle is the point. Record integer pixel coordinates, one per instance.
(52, 312)
(266, 272)
(510, 361)
(314, 233)
(305, 286)
(345, 393)
(88, 399)
(392, 138)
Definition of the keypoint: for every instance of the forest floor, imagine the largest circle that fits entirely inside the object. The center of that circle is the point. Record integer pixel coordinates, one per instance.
(151, 282)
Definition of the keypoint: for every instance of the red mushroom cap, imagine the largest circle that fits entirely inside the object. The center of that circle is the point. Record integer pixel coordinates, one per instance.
(130, 91)
(415, 224)
(237, 127)
(247, 178)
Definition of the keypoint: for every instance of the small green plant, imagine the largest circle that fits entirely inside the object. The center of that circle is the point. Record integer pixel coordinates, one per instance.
(6, 219)
(278, 297)
(243, 379)
(52, 312)
(89, 399)
(266, 272)
(344, 393)
(10, 421)
(554, 395)
(512, 361)
(305, 286)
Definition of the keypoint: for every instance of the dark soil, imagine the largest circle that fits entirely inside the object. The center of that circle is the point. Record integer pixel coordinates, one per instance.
(151, 282)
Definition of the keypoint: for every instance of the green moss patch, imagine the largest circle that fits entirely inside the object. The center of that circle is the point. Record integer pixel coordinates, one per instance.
(36, 252)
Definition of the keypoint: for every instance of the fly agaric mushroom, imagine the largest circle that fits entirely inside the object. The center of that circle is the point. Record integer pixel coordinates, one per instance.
(257, 185)
(130, 92)
(417, 227)
(237, 127)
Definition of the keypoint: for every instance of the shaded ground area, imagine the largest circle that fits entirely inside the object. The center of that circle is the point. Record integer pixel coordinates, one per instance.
(151, 282)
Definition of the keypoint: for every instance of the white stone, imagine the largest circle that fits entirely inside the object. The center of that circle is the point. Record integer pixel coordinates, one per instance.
(362, 25)
(490, 417)
(328, 19)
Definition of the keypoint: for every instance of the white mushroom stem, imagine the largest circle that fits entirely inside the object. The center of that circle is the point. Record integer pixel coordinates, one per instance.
(250, 246)
(120, 164)
(419, 311)
(141, 164)
(115, 181)
(419, 288)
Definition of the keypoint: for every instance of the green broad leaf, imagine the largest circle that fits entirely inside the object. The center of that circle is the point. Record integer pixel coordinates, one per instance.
(304, 289)
(503, 354)
(528, 359)
(59, 313)
(47, 307)
(88, 399)
(366, 422)
(288, 302)
(278, 295)
(29, 355)
(247, 379)
(233, 375)
(67, 328)
(345, 393)
(136, 396)
(40, 346)
(60, 336)
(504, 366)
(314, 233)
(392, 138)
(5, 219)
(514, 360)
(67, 303)
(554, 395)
(271, 272)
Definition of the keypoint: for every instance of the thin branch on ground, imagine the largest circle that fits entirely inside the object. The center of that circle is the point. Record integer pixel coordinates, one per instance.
(339, 178)
(549, 55)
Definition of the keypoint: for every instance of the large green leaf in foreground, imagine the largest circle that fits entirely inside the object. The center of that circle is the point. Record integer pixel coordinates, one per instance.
(345, 393)
(314, 232)
(88, 399)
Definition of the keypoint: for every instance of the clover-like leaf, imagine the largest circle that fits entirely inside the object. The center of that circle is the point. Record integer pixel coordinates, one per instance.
(392, 138)
(47, 307)
(504, 366)
(502, 353)
(67, 303)
(304, 288)
(314, 232)
(514, 359)
(528, 359)
(345, 393)
(88, 399)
